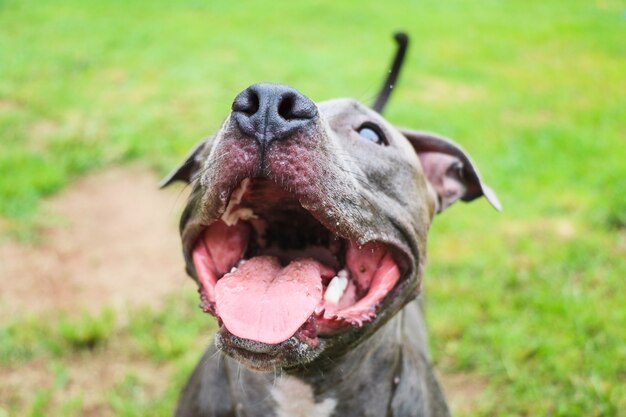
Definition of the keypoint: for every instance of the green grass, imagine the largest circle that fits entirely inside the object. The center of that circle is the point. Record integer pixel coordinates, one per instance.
(172, 337)
(531, 299)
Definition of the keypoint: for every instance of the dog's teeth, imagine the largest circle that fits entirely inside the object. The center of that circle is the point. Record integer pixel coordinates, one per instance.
(319, 310)
(241, 262)
(233, 269)
(336, 288)
(342, 274)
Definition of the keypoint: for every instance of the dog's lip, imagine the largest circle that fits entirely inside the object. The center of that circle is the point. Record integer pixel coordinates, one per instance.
(290, 353)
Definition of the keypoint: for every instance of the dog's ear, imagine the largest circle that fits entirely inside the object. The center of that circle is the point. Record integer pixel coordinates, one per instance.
(449, 170)
(188, 169)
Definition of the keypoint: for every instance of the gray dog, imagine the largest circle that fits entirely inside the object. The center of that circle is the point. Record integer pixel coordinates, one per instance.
(306, 232)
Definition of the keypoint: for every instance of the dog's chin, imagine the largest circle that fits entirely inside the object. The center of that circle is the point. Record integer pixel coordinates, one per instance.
(263, 357)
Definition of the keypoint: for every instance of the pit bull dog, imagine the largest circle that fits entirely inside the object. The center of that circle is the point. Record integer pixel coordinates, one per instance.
(306, 232)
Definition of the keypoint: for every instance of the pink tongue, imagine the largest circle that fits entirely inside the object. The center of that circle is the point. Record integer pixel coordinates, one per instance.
(263, 302)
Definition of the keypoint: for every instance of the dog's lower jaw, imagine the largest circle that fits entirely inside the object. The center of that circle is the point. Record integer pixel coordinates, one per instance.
(386, 374)
(292, 353)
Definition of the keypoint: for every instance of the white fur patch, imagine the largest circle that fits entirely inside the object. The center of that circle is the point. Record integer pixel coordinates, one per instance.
(295, 398)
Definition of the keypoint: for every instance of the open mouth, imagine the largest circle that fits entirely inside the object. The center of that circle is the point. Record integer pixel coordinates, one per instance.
(269, 270)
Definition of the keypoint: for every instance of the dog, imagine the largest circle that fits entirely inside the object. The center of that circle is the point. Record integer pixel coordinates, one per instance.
(306, 232)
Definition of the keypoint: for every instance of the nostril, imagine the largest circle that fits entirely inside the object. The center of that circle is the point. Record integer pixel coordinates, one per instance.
(294, 106)
(285, 108)
(247, 102)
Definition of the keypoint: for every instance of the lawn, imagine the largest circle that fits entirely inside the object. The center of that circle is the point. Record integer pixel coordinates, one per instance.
(530, 300)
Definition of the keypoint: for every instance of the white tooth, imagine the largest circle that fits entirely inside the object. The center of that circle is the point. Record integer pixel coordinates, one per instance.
(342, 274)
(241, 262)
(233, 212)
(231, 216)
(233, 269)
(335, 289)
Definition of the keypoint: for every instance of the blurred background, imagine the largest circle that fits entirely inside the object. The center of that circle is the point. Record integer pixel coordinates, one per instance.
(98, 99)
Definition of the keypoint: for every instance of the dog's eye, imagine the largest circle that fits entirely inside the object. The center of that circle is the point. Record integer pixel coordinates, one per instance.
(372, 133)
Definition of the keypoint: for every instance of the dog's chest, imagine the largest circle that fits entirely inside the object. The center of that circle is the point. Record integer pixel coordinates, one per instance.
(294, 398)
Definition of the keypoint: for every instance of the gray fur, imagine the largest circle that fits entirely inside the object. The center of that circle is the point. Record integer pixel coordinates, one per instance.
(368, 192)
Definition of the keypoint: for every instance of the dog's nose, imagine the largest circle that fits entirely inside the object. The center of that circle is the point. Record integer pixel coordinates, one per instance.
(272, 111)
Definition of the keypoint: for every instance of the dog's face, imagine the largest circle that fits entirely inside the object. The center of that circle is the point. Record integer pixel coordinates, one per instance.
(306, 226)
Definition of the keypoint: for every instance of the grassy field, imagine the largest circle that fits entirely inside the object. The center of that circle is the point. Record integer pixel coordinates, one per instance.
(531, 300)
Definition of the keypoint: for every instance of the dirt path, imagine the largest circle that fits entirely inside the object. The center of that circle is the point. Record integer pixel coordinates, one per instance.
(115, 241)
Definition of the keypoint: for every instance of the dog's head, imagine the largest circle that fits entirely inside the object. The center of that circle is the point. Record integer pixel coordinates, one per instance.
(306, 226)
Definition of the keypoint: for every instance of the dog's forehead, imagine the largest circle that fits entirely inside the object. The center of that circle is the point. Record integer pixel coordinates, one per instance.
(348, 111)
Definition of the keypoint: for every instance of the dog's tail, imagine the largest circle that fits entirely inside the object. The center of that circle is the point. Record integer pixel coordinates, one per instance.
(402, 40)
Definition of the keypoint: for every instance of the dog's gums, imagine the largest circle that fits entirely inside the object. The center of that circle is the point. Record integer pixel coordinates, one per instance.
(269, 270)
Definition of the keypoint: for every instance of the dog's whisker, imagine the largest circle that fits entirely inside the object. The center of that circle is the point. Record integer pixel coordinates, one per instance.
(178, 197)
(217, 352)
(238, 379)
(215, 159)
(221, 361)
(368, 94)
(275, 380)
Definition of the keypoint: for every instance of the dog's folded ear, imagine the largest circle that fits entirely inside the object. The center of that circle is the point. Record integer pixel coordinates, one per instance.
(449, 170)
(188, 169)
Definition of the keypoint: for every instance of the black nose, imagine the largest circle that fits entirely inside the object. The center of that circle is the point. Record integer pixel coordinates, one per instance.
(272, 111)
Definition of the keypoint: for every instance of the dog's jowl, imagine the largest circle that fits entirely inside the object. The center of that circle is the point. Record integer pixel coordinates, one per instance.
(306, 233)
